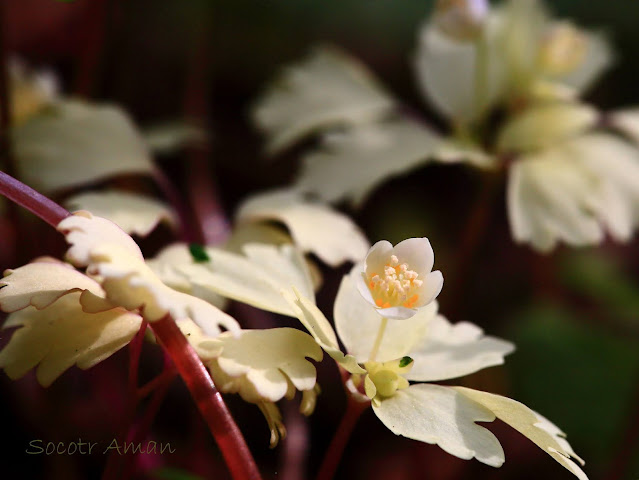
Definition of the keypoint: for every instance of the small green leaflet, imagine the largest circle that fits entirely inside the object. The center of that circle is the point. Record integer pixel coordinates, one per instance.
(198, 253)
(405, 361)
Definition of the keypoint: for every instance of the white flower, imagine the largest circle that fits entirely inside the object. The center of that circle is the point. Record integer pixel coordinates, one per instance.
(398, 280)
(424, 348)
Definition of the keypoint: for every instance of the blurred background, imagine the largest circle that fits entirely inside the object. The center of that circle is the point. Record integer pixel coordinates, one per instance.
(572, 314)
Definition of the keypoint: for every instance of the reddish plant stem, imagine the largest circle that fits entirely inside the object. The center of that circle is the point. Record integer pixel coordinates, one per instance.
(35, 202)
(135, 351)
(188, 234)
(202, 189)
(92, 50)
(111, 470)
(354, 408)
(472, 237)
(629, 444)
(208, 399)
(141, 430)
(166, 376)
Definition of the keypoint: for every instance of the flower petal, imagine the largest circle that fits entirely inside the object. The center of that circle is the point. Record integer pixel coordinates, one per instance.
(530, 424)
(417, 253)
(133, 213)
(441, 416)
(448, 351)
(62, 335)
(78, 143)
(315, 227)
(352, 163)
(256, 278)
(326, 89)
(446, 71)
(319, 327)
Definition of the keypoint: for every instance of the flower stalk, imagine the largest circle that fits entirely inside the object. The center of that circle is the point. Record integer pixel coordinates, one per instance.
(354, 409)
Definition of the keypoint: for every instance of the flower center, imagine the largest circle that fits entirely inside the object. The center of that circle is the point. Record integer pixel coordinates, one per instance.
(398, 285)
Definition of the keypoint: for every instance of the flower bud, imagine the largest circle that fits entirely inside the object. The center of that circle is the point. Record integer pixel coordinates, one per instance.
(562, 50)
(461, 20)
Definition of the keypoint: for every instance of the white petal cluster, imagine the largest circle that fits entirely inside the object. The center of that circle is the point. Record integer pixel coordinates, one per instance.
(397, 281)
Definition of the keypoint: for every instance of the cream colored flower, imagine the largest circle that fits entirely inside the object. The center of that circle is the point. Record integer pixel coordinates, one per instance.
(426, 347)
(398, 280)
(29, 91)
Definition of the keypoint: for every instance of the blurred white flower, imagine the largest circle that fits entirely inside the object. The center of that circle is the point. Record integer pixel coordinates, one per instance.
(398, 280)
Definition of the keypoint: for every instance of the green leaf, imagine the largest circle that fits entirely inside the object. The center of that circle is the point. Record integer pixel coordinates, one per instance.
(198, 252)
(405, 361)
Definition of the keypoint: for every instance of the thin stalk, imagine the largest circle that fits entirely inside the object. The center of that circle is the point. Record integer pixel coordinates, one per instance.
(35, 202)
(166, 376)
(472, 237)
(354, 409)
(207, 398)
(137, 435)
(378, 339)
(92, 50)
(202, 188)
(111, 470)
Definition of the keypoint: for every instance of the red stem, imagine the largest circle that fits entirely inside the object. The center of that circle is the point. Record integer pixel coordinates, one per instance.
(35, 202)
(166, 376)
(354, 409)
(111, 470)
(141, 430)
(202, 189)
(207, 398)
